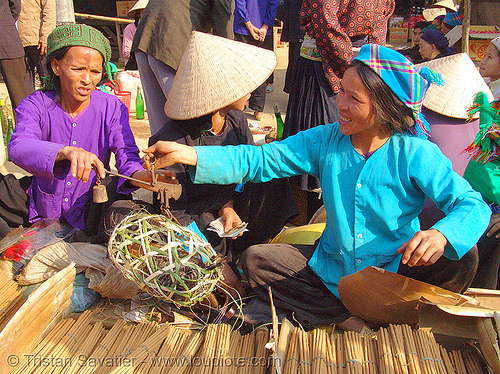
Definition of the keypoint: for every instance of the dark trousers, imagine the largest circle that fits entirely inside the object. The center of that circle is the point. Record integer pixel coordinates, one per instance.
(34, 63)
(13, 73)
(100, 218)
(258, 98)
(297, 289)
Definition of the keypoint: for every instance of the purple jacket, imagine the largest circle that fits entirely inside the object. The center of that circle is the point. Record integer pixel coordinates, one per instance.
(256, 11)
(44, 127)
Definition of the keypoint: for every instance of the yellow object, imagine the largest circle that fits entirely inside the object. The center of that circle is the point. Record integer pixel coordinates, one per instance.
(307, 234)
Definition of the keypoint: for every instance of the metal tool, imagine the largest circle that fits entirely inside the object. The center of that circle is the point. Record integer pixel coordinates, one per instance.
(170, 190)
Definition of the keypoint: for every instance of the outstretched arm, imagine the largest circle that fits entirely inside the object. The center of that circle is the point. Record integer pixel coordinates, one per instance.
(169, 153)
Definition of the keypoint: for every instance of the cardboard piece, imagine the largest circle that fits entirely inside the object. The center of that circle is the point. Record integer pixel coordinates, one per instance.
(479, 39)
(381, 297)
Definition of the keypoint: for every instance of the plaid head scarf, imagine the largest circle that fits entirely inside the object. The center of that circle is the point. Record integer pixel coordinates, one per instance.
(75, 34)
(403, 78)
(453, 19)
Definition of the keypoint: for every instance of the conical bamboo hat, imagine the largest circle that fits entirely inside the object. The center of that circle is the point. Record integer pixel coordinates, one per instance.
(215, 72)
(462, 82)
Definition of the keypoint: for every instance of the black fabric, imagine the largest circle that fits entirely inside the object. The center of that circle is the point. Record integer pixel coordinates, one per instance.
(267, 207)
(312, 101)
(489, 263)
(13, 203)
(297, 289)
(34, 63)
(258, 98)
(293, 57)
(95, 213)
(452, 275)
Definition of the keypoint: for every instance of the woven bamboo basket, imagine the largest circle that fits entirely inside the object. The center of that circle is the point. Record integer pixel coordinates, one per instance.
(165, 259)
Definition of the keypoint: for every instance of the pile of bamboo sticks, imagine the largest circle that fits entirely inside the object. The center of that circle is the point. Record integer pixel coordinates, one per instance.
(396, 349)
(10, 299)
(80, 347)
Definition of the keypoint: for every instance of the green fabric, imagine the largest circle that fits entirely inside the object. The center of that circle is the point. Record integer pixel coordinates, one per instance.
(485, 178)
(75, 34)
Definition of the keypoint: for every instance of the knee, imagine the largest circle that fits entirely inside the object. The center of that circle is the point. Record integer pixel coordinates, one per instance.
(252, 258)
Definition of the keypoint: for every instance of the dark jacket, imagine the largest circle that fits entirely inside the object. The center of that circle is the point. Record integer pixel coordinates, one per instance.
(11, 46)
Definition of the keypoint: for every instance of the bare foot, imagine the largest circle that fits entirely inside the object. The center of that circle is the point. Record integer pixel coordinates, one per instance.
(353, 324)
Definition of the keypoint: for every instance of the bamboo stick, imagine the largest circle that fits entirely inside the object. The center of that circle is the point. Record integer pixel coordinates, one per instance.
(261, 339)
(151, 344)
(102, 349)
(292, 359)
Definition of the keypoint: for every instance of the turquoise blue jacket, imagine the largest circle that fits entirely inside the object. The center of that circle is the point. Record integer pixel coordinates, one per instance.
(372, 205)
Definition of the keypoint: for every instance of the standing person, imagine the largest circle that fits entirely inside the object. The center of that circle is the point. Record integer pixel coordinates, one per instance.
(332, 28)
(36, 21)
(293, 34)
(375, 175)
(253, 24)
(12, 65)
(129, 32)
(159, 42)
(51, 140)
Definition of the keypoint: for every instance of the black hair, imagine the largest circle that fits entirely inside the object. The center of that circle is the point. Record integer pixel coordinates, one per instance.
(421, 25)
(391, 112)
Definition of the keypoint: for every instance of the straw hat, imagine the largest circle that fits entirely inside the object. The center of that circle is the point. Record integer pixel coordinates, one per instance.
(141, 4)
(430, 14)
(449, 4)
(215, 72)
(462, 83)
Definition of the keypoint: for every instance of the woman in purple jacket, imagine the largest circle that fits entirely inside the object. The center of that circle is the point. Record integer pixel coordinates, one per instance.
(66, 131)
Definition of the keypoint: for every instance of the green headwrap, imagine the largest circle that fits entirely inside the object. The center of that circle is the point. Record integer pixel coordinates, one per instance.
(76, 34)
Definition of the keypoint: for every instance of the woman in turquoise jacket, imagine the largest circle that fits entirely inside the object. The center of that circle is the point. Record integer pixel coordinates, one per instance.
(376, 168)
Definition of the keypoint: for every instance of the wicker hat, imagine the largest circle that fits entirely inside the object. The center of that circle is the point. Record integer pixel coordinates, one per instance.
(449, 4)
(430, 14)
(462, 83)
(141, 4)
(215, 72)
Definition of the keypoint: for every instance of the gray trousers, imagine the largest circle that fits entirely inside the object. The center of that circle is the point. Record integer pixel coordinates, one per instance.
(297, 290)
(156, 79)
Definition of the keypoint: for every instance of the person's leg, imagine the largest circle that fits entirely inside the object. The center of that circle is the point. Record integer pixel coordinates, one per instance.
(452, 275)
(29, 79)
(489, 263)
(258, 97)
(14, 203)
(156, 79)
(296, 289)
(220, 16)
(13, 72)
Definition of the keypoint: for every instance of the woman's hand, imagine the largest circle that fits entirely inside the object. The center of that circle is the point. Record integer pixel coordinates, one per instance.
(230, 218)
(163, 154)
(494, 226)
(82, 162)
(425, 248)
